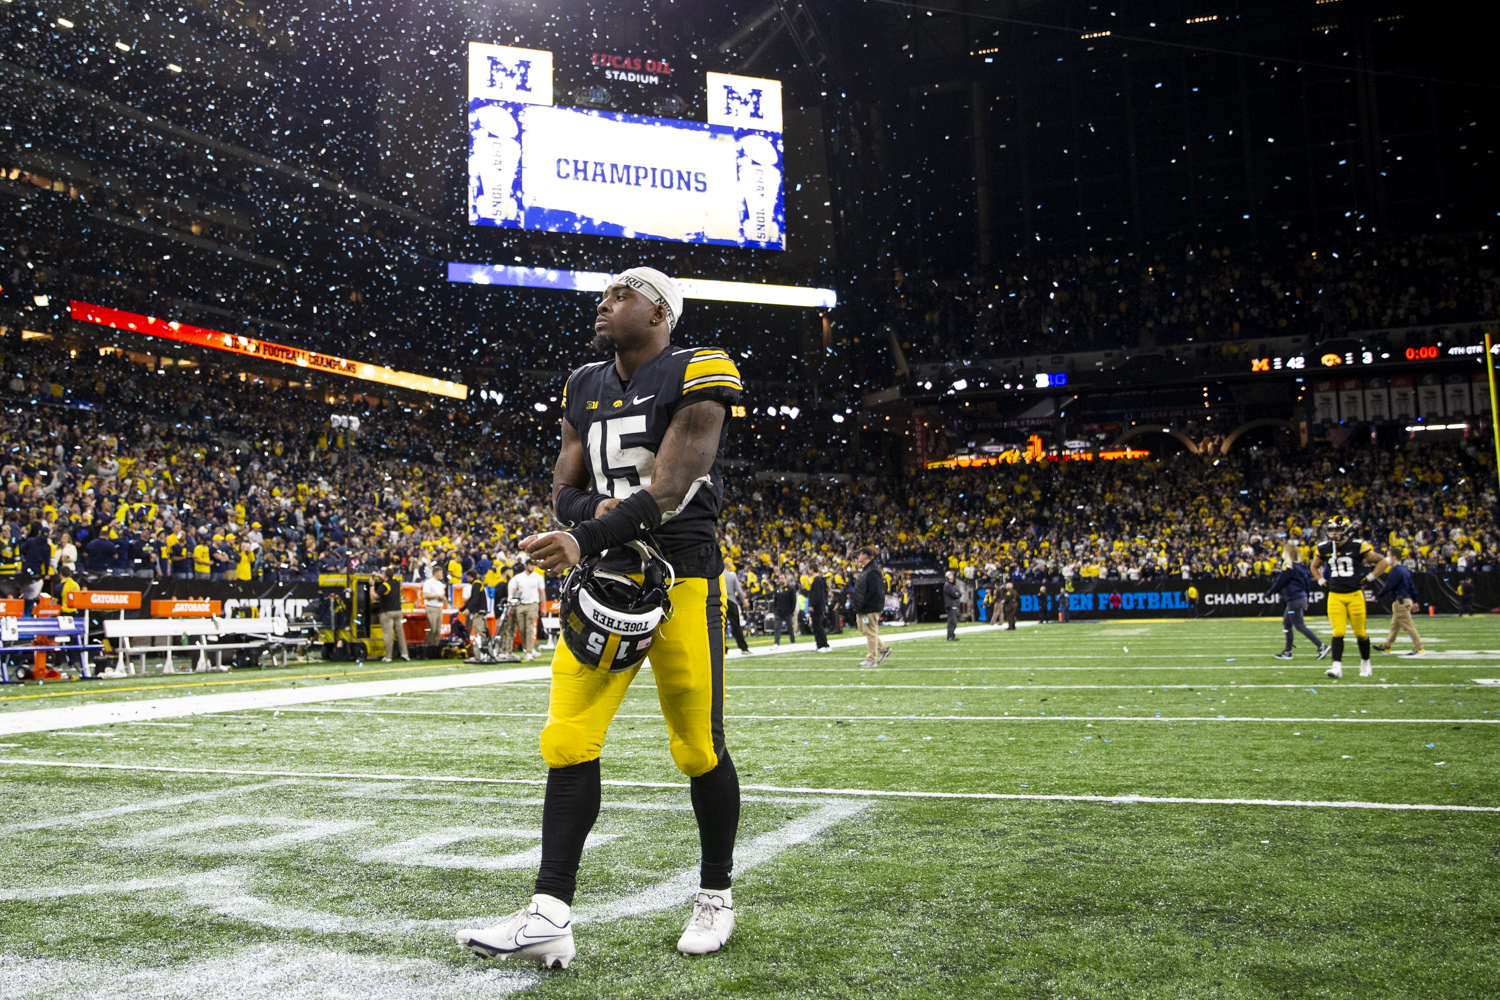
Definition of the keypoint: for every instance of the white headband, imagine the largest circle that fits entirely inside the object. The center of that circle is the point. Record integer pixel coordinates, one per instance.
(658, 288)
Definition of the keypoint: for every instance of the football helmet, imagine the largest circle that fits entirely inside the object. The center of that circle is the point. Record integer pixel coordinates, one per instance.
(608, 618)
(1338, 523)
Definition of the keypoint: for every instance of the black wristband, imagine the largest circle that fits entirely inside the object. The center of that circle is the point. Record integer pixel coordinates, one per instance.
(574, 506)
(628, 520)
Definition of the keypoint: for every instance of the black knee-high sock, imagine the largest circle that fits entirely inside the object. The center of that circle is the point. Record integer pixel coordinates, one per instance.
(568, 814)
(1338, 649)
(1286, 626)
(1364, 647)
(716, 803)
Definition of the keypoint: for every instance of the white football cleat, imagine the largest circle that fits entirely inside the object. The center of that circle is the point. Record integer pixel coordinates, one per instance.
(543, 933)
(1365, 670)
(710, 925)
(823, 649)
(1336, 671)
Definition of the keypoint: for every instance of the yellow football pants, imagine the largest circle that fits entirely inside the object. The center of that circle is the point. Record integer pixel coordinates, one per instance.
(1345, 610)
(687, 660)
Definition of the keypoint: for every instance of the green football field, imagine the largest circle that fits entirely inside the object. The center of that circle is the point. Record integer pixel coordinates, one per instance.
(1130, 809)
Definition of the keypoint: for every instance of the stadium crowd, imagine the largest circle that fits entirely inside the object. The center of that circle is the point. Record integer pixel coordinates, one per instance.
(1183, 515)
(1090, 302)
(187, 472)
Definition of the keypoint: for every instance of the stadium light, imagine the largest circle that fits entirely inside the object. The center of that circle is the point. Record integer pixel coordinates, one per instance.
(150, 326)
(597, 281)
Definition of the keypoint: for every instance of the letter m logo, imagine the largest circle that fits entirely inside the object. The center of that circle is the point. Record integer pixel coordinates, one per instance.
(748, 104)
(519, 74)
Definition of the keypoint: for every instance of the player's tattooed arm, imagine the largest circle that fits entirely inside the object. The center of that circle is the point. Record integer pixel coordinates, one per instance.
(570, 470)
(687, 453)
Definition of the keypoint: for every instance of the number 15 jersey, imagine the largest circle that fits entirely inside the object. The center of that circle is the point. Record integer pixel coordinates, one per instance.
(622, 424)
(1345, 561)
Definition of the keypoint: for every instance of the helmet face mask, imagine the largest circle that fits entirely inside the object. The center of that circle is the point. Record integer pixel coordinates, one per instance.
(1336, 526)
(608, 618)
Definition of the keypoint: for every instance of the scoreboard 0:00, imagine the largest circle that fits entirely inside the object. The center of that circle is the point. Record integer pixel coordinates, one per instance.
(1421, 353)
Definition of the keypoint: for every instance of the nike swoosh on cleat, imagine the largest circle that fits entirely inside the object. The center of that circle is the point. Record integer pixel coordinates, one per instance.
(524, 941)
(641, 399)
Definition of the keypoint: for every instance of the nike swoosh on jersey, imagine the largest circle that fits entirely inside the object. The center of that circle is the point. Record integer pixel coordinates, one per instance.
(637, 401)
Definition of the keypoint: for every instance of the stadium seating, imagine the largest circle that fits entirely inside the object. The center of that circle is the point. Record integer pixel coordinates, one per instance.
(1196, 293)
(177, 457)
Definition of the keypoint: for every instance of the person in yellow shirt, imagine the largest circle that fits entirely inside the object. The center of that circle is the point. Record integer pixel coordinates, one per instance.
(243, 569)
(202, 560)
(66, 588)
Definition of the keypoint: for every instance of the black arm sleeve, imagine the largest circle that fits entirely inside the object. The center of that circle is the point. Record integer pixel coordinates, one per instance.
(574, 506)
(630, 519)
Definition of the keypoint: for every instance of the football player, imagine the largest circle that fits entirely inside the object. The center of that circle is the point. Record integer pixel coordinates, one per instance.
(642, 436)
(1346, 561)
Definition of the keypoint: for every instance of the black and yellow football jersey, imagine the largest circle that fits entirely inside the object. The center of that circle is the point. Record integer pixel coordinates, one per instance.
(621, 425)
(1345, 562)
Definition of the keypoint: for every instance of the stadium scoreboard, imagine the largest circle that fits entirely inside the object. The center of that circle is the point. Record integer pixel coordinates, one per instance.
(537, 164)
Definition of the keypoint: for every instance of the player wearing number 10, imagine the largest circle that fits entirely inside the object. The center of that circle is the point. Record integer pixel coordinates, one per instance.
(1346, 597)
(642, 436)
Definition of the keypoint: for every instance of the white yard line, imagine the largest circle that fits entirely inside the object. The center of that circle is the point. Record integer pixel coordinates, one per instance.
(1126, 799)
(1327, 684)
(109, 713)
(146, 805)
(896, 667)
(935, 718)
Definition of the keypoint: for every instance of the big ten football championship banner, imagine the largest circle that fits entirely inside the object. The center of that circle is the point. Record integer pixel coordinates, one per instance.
(535, 165)
(1227, 598)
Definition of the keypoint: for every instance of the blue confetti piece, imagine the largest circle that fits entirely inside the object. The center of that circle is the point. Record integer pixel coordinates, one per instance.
(1221, 716)
(881, 736)
(1431, 745)
(1088, 737)
(1230, 660)
(1109, 741)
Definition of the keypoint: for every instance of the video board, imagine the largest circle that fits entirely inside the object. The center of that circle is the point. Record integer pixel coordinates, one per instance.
(536, 165)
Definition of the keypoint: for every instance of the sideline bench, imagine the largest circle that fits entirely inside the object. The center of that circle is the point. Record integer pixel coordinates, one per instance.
(17, 637)
(204, 630)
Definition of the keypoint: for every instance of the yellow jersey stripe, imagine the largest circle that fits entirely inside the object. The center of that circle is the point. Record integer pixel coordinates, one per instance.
(710, 385)
(698, 383)
(611, 650)
(711, 366)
